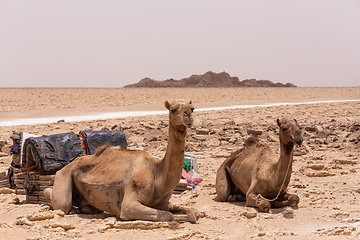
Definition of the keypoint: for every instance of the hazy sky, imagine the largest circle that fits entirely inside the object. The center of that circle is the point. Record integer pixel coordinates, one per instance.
(112, 43)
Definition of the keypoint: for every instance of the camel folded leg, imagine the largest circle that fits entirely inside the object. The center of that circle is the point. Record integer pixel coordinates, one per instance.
(223, 184)
(236, 195)
(256, 200)
(134, 210)
(61, 195)
(181, 214)
(286, 200)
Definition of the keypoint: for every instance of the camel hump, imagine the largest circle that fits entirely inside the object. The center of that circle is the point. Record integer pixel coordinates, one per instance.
(101, 149)
(251, 141)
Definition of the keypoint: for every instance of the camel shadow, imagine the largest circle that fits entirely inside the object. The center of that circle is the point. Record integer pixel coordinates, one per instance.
(98, 215)
(101, 216)
(285, 211)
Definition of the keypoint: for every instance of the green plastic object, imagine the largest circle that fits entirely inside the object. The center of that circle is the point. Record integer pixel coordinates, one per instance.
(187, 165)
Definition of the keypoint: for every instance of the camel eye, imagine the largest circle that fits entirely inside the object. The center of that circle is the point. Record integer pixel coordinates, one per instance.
(284, 129)
(173, 110)
(192, 109)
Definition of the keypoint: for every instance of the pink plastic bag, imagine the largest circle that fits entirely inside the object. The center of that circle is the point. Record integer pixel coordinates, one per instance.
(191, 177)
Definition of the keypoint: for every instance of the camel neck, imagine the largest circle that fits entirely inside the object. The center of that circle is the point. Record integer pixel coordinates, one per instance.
(173, 160)
(284, 167)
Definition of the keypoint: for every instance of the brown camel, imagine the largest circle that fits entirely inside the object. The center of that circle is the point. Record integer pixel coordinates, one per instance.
(254, 173)
(129, 183)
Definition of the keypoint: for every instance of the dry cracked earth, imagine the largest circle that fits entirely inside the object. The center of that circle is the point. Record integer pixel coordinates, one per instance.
(325, 176)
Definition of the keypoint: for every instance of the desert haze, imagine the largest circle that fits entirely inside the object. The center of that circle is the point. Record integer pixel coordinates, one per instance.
(324, 174)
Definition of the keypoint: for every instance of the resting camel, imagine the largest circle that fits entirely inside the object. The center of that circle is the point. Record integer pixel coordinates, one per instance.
(254, 173)
(129, 183)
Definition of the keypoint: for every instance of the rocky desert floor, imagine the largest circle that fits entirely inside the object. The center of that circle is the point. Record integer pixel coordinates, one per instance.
(325, 169)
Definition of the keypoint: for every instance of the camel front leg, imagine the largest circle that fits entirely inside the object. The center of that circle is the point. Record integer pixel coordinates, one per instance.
(286, 200)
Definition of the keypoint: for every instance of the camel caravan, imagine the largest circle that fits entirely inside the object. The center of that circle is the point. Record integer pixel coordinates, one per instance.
(134, 185)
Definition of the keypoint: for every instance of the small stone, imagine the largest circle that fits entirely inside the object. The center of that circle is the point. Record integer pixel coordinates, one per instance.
(310, 129)
(202, 131)
(316, 166)
(41, 216)
(254, 132)
(59, 213)
(251, 213)
(64, 226)
(271, 138)
(340, 215)
(6, 190)
(288, 213)
(336, 207)
(110, 221)
(102, 229)
(59, 229)
(2, 154)
(350, 220)
(319, 141)
(92, 231)
(346, 161)
(322, 134)
(44, 209)
(23, 221)
(15, 201)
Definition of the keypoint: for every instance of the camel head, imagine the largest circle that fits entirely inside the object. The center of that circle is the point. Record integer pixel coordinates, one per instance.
(290, 131)
(180, 114)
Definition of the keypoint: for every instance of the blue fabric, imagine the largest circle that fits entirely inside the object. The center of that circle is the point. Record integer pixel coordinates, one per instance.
(15, 149)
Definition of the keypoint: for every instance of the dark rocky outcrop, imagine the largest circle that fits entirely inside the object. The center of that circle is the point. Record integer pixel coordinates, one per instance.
(209, 79)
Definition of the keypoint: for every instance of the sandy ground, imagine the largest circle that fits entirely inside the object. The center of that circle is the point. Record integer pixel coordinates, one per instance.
(325, 169)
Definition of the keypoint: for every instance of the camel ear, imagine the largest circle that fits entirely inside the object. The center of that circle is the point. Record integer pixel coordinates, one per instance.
(192, 108)
(167, 105)
(278, 122)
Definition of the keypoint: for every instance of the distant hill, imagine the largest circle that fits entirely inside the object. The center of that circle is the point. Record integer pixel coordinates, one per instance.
(209, 79)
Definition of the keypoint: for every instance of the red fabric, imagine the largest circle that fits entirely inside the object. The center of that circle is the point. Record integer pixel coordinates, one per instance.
(27, 169)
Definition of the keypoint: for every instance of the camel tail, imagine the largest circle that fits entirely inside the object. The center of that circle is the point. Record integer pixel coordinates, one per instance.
(101, 149)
